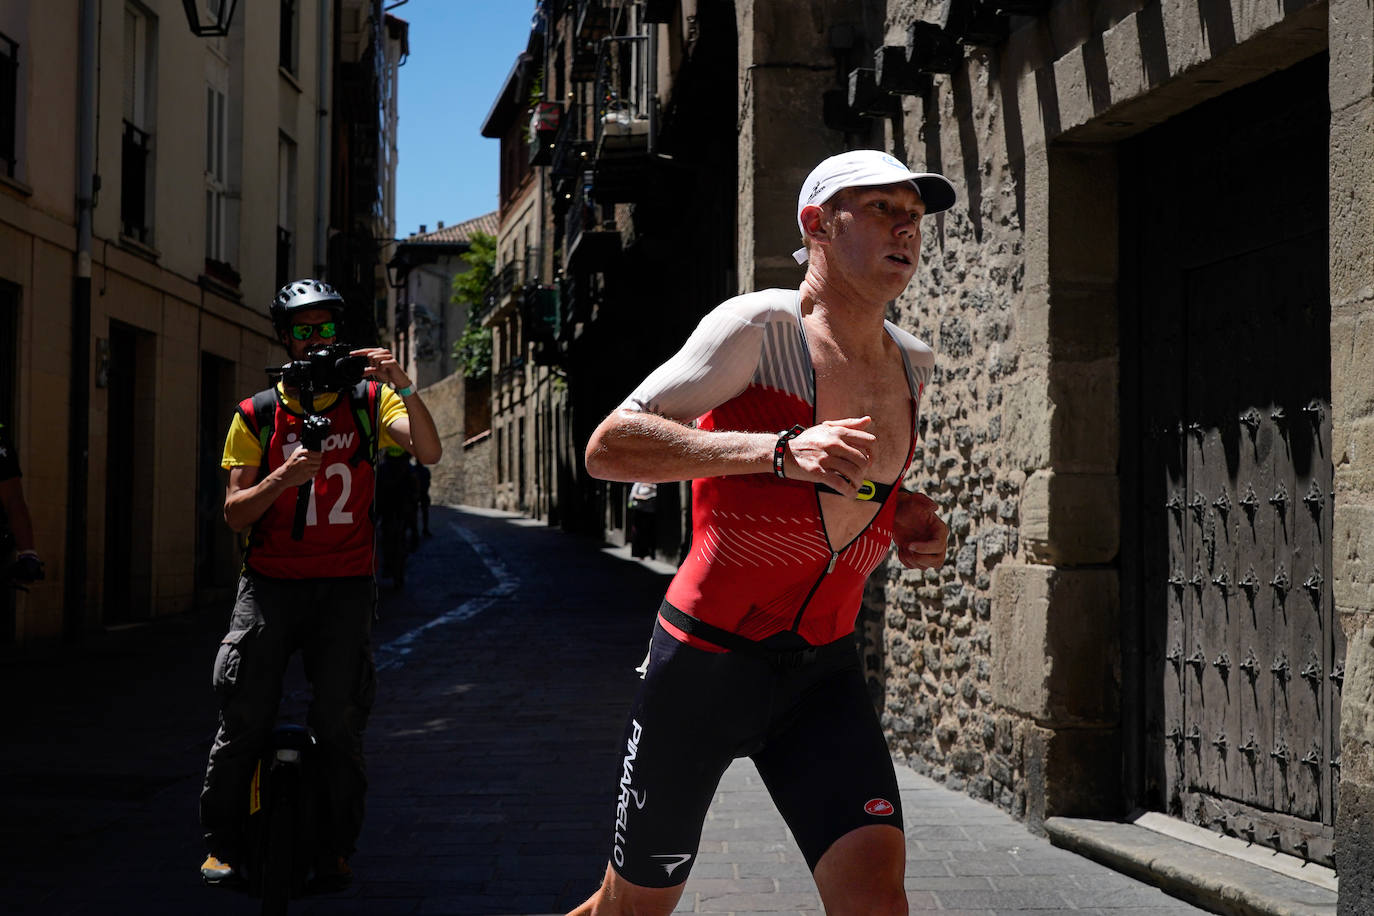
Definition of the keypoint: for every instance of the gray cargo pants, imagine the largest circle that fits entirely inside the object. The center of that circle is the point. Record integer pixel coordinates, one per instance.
(330, 622)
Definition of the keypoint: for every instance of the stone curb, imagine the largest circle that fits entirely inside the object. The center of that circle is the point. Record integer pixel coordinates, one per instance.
(1209, 879)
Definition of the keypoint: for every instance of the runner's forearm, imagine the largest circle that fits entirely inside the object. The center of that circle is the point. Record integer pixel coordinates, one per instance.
(634, 445)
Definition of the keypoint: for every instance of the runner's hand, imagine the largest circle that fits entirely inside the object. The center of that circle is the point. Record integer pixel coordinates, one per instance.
(836, 453)
(920, 535)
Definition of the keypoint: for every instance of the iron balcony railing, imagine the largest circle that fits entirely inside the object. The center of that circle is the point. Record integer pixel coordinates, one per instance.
(591, 238)
(625, 113)
(581, 216)
(542, 316)
(511, 276)
(593, 16)
(568, 143)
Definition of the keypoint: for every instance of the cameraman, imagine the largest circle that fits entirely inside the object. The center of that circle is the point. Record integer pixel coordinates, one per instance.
(16, 528)
(311, 589)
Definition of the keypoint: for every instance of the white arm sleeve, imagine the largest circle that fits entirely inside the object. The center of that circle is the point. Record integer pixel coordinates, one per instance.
(717, 362)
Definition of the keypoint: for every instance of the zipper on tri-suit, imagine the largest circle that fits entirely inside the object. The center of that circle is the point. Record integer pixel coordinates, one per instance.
(829, 568)
(835, 554)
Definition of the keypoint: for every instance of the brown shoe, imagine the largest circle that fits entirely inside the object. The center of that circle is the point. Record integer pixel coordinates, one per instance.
(332, 873)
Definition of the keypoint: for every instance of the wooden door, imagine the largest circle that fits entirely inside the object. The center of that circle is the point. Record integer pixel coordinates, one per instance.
(1226, 403)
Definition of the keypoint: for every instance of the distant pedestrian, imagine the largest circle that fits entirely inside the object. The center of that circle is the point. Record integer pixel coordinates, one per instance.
(794, 413)
(643, 506)
(422, 476)
(395, 512)
(18, 556)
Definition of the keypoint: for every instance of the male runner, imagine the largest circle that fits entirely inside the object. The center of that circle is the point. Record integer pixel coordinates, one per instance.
(794, 413)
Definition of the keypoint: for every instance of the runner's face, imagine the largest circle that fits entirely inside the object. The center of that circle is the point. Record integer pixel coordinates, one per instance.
(877, 232)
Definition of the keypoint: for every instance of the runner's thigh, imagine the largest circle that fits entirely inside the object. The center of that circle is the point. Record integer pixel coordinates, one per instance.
(827, 765)
(696, 711)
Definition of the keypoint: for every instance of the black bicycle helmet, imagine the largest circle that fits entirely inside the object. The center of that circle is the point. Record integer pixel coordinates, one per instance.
(300, 295)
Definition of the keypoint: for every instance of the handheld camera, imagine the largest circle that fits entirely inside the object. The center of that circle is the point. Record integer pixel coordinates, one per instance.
(324, 370)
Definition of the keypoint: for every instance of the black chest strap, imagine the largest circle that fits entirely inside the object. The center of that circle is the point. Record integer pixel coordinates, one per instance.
(778, 658)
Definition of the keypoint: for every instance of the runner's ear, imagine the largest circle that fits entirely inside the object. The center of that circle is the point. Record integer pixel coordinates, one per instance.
(813, 222)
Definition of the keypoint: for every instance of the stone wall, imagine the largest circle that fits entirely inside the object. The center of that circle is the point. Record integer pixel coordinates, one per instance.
(790, 53)
(939, 705)
(478, 472)
(1352, 404)
(463, 475)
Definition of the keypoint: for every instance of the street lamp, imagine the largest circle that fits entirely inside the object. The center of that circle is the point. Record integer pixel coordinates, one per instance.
(221, 13)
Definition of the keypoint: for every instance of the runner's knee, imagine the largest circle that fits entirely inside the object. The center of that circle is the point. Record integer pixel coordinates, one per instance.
(862, 873)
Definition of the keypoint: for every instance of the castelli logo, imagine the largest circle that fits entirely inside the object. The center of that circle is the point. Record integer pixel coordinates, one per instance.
(879, 807)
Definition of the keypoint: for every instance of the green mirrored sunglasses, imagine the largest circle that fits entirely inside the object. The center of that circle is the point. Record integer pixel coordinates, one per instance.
(303, 331)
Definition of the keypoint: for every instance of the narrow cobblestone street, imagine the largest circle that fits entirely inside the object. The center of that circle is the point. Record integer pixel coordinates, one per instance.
(506, 667)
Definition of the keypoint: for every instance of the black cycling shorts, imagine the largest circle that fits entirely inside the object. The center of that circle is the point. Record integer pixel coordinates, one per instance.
(810, 729)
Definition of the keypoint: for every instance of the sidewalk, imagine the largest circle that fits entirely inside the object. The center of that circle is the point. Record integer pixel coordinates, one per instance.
(506, 670)
(963, 856)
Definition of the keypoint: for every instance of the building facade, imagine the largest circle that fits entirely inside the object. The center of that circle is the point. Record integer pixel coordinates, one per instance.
(427, 325)
(1149, 428)
(616, 127)
(426, 322)
(519, 303)
(149, 209)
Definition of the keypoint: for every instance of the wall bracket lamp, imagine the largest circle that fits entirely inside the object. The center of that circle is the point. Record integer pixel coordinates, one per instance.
(218, 17)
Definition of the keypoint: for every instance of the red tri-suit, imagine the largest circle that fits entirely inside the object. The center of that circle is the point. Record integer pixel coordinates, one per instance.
(761, 561)
(790, 694)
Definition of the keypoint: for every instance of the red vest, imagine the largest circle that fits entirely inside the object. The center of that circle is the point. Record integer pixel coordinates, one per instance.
(338, 535)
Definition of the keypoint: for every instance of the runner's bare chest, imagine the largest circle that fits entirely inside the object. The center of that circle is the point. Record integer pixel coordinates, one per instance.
(852, 386)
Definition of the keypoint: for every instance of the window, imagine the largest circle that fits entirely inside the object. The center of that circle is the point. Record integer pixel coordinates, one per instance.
(136, 162)
(286, 207)
(520, 461)
(9, 357)
(216, 152)
(286, 56)
(221, 206)
(9, 103)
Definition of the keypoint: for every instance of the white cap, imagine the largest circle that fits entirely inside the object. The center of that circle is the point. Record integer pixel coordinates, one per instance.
(863, 168)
